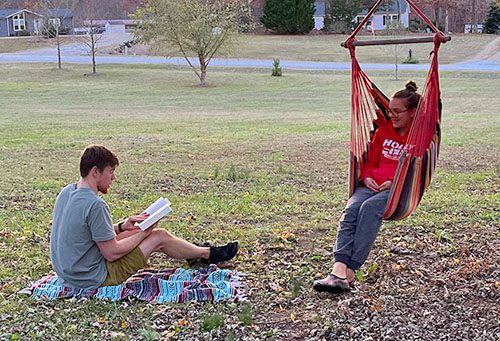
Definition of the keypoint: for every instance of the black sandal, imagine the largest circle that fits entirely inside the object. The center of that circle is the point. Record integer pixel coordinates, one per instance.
(332, 284)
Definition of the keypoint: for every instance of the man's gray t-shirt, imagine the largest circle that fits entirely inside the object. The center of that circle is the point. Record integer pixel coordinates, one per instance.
(81, 218)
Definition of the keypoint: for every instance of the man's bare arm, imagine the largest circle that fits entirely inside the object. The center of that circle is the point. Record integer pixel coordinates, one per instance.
(114, 249)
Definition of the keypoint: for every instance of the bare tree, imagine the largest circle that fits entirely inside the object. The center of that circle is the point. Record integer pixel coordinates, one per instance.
(201, 28)
(56, 12)
(94, 33)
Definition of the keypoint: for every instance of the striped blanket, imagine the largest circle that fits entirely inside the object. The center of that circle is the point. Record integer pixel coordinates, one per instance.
(161, 286)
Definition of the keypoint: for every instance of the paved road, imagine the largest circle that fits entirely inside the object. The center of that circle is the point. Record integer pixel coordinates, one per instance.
(77, 54)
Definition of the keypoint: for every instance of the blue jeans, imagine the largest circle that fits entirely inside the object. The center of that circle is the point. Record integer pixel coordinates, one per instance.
(359, 226)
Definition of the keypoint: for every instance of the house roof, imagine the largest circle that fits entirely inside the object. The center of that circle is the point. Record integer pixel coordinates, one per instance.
(392, 8)
(60, 13)
(7, 13)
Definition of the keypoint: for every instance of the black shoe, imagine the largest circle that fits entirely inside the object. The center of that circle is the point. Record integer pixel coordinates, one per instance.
(200, 261)
(332, 284)
(219, 254)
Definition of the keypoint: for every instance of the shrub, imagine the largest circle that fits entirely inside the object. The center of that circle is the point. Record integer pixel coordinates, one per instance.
(289, 16)
(492, 21)
(64, 31)
(22, 33)
(276, 68)
(410, 60)
(49, 31)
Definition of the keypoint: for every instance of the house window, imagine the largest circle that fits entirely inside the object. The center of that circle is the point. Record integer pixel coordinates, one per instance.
(55, 22)
(390, 18)
(18, 22)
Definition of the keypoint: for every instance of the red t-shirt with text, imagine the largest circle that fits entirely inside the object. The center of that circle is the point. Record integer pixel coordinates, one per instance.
(383, 156)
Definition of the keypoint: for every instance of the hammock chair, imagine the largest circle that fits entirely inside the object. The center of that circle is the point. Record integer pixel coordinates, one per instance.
(370, 110)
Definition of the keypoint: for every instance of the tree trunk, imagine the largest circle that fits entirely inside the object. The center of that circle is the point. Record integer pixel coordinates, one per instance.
(203, 69)
(327, 20)
(93, 51)
(58, 42)
(473, 21)
(446, 21)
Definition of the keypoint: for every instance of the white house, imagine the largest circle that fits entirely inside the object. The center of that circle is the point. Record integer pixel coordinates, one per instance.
(381, 18)
(385, 15)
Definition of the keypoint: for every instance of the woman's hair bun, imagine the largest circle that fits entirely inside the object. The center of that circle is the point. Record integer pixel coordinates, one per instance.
(411, 86)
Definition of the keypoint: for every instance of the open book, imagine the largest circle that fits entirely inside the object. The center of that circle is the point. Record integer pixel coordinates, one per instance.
(156, 211)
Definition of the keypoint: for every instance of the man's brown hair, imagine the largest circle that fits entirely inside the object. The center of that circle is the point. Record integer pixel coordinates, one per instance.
(98, 156)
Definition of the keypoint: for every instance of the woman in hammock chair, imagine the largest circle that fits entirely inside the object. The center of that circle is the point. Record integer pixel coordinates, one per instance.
(364, 212)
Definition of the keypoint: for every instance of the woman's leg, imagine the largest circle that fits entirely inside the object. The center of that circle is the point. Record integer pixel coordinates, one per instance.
(348, 226)
(370, 218)
(337, 280)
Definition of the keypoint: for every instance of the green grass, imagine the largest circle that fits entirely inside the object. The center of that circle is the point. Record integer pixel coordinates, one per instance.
(252, 157)
(326, 48)
(14, 44)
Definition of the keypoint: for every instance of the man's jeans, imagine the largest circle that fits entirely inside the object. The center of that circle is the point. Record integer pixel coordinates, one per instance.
(359, 226)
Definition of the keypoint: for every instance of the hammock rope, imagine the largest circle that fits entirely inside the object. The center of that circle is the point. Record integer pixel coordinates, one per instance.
(369, 110)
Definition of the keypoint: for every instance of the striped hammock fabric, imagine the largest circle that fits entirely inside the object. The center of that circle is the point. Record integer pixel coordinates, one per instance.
(369, 108)
(160, 286)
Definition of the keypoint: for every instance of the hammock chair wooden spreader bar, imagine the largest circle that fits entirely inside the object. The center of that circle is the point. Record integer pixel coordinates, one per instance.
(396, 41)
(369, 107)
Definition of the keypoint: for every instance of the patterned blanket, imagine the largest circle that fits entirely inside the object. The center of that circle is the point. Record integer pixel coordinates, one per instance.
(161, 286)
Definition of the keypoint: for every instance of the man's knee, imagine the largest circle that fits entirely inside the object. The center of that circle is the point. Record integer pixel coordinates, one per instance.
(161, 235)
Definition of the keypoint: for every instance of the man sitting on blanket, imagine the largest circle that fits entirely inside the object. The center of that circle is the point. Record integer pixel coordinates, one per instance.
(88, 250)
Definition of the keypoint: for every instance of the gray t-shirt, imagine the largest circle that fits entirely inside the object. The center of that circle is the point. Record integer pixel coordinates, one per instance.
(81, 218)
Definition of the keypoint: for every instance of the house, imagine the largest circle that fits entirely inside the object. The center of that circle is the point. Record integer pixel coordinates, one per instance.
(380, 19)
(15, 22)
(115, 26)
(397, 11)
(61, 18)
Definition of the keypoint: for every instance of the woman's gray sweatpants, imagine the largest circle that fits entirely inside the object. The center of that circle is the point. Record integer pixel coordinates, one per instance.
(359, 226)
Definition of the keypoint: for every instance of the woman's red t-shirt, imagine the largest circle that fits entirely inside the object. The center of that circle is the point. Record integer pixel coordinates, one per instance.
(385, 150)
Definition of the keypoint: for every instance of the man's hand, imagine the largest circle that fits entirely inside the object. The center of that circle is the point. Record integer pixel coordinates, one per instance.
(371, 184)
(130, 222)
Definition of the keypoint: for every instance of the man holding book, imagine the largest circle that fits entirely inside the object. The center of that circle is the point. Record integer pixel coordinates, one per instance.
(87, 250)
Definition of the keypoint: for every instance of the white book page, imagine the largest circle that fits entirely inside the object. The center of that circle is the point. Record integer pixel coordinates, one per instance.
(159, 209)
(157, 205)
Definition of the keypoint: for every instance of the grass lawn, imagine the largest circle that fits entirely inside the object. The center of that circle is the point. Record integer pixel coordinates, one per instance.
(14, 44)
(263, 160)
(326, 48)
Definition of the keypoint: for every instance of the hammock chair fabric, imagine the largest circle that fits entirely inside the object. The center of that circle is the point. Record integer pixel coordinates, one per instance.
(370, 108)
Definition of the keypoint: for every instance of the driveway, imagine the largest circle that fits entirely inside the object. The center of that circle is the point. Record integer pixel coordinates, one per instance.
(77, 53)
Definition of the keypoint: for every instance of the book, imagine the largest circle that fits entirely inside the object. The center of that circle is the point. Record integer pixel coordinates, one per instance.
(156, 211)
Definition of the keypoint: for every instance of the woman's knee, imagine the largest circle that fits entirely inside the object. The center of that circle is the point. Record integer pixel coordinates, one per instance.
(372, 208)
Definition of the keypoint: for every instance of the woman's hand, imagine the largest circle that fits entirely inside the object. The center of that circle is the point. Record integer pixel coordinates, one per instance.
(371, 184)
(385, 186)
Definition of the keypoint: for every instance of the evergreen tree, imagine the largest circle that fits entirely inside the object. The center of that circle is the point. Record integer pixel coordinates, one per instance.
(342, 14)
(492, 21)
(289, 16)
